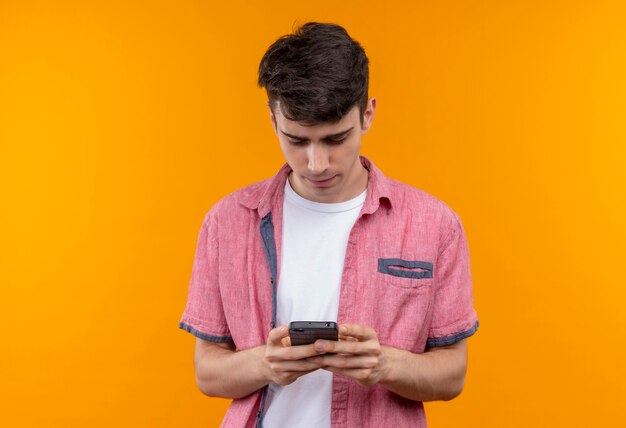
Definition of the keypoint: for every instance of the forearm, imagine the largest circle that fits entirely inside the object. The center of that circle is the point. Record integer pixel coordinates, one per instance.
(231, 374)
(438, 374)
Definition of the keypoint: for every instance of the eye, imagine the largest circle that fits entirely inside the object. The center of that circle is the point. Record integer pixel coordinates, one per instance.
(336, 142)
(297, 142)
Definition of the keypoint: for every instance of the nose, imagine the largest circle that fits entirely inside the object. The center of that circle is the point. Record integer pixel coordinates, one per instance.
(318, 158)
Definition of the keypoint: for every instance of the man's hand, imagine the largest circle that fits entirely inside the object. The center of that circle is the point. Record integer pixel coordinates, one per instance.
(285, 363)
(358, 354)
(222, 371)
(436, 374)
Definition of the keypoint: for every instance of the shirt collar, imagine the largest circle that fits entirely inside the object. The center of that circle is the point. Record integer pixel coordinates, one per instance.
(264, 196)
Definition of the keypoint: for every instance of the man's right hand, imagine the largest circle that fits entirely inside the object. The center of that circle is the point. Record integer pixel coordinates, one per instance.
(285, 363)
(222, 371)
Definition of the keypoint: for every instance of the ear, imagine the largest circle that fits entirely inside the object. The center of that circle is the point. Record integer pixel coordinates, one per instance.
(272, 118)
(368, 115)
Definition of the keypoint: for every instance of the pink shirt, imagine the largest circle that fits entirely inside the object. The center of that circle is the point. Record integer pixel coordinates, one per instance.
(406, 274)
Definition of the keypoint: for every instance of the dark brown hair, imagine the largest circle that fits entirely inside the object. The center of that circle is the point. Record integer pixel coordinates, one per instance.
(318, 74)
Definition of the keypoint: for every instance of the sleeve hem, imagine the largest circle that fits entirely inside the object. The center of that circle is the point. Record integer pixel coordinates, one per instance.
(204, 336)
(449, 340)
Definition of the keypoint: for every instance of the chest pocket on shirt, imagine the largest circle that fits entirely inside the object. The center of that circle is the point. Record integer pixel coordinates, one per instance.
(410, 269)
(401, 297)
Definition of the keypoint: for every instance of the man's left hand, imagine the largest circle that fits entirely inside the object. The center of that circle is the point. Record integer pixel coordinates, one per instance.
(357, 354)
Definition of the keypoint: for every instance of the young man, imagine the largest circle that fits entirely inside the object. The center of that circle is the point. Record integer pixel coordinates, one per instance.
(329, 238)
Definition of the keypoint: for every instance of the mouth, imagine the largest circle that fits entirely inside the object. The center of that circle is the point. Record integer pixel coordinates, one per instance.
(321, 183)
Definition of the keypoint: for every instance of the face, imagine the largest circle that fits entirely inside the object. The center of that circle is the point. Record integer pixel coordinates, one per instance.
(325, 157)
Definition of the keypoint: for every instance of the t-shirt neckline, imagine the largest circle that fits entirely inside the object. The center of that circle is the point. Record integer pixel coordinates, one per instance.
(292, 196)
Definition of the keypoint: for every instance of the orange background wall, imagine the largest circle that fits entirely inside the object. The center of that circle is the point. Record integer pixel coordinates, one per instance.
(122, 122)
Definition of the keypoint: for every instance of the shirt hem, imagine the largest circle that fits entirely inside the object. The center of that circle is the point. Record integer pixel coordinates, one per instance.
(449, 340)
(204, 336)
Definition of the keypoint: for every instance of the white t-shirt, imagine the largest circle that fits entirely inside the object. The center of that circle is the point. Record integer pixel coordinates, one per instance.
(315, 236)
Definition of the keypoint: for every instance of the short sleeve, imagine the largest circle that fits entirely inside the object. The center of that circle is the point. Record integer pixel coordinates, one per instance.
(204, 313)
(454, 317)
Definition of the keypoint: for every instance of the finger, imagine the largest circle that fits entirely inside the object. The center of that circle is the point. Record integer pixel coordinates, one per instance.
(345, 362)
(357, 331)
(349, 347)
(361, 375)
(299, 352)
(276, 335)
(294, 366)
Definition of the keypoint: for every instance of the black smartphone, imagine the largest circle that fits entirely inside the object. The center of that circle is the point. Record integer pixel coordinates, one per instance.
(306, 332)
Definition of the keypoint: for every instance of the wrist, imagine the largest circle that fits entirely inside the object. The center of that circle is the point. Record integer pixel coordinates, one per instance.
(389, 363)
(263, 366)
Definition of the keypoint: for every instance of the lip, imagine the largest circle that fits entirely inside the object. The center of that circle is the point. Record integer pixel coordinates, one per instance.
(322, 183)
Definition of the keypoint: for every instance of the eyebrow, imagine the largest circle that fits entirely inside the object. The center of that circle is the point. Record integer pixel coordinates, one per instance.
(328, 137)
